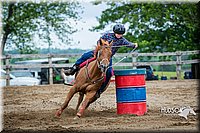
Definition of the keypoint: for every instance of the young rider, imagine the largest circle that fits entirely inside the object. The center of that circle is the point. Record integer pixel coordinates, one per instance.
(118, 40)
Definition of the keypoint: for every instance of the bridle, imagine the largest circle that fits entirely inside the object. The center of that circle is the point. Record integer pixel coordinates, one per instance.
(88, 76)
(101, 66)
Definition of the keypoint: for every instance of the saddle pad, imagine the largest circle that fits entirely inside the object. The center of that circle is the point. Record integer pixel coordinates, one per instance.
(87, 61)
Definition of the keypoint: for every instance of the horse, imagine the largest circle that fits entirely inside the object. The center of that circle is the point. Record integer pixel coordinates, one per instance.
(89, 79)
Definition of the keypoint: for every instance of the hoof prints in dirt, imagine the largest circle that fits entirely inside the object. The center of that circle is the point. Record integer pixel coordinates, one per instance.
(35, 108)
(90, 113)
(55, 129)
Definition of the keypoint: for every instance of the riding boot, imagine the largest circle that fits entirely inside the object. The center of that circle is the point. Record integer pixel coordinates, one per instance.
(71, 70)
(68, 75)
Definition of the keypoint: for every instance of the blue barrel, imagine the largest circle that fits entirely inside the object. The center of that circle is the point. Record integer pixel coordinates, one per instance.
(132, 94)
(130, 91)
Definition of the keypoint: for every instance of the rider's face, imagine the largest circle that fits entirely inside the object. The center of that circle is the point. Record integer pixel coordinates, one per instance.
(118, 35)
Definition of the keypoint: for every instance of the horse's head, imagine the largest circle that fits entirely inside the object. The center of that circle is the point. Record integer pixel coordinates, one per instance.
(104, 53)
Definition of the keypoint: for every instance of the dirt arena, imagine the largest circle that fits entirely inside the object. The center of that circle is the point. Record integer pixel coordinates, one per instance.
(33, 109)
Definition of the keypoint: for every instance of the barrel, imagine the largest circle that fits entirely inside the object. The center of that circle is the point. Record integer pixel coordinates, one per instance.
(130, 91)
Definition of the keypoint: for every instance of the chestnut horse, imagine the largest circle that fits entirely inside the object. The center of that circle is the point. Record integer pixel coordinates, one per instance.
(89, 79)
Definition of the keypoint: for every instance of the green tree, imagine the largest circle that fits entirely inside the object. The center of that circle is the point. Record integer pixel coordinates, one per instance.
(21, 20)
(156, 27)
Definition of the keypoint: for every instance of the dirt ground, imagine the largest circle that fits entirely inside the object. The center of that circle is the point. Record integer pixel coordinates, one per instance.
(33, 109)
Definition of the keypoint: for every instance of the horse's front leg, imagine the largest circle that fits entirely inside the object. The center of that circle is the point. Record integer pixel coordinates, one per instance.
(87, 100)
(80, 99)
(70, 94)
(96, 96)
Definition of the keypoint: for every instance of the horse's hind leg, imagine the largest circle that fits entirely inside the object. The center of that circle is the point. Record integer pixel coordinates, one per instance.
(70, 94)
(80, 99)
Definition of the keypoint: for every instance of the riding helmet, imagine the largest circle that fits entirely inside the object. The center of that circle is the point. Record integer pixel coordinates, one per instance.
(119, 29)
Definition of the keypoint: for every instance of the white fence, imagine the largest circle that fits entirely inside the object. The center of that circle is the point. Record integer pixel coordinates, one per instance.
(179, 61)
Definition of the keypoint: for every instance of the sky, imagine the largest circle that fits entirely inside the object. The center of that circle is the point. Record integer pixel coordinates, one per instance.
(87, 39)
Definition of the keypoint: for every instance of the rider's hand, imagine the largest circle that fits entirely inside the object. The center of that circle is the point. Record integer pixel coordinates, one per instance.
(136, 45)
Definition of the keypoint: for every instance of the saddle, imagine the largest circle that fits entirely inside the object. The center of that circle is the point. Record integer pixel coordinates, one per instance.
(80, 66)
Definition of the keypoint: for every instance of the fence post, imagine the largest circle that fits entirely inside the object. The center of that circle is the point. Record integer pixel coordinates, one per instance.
(134, 59)
(50, 69)
(178, 65)
(7, 70)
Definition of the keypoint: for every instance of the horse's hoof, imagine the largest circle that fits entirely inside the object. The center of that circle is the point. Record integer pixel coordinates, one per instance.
(58, 113)
(76, 117)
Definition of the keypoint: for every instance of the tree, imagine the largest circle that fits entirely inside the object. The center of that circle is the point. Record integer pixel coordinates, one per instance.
(157, 27)
(21, 20)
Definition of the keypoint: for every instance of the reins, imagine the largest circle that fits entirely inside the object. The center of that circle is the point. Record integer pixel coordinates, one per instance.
(123, 58)
(88, 76)
(107, 67)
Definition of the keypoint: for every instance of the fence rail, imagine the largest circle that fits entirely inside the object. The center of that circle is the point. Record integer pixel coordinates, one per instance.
(179, 61)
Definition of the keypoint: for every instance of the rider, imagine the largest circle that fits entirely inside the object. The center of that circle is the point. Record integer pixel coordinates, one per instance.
(118, 40)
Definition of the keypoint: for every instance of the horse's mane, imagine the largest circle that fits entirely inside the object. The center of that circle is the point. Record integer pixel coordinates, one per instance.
(97, 48)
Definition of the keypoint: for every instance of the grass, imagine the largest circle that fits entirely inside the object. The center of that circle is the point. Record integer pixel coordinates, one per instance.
(168, 74)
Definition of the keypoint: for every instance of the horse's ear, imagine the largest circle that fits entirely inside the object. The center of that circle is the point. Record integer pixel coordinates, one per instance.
(99, 43)
(111, 43)
(102, 42)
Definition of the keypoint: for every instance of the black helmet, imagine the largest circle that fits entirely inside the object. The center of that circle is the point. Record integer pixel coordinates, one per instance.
(119, 29)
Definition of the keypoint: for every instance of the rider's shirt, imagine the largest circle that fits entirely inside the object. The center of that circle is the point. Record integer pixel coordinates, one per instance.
(116, 41)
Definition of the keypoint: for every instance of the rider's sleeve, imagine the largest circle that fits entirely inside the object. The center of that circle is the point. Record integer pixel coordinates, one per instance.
(105, 37)
(127, 43)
